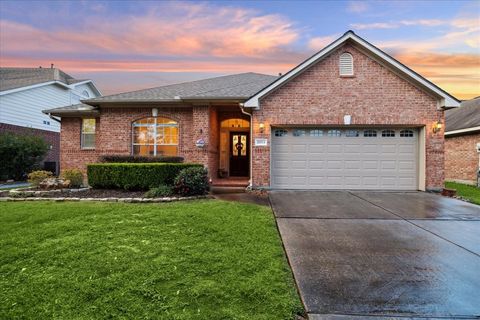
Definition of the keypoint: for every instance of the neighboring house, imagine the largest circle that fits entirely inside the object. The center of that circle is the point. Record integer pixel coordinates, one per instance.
(349, 117)
(25, 92)
(462, 142)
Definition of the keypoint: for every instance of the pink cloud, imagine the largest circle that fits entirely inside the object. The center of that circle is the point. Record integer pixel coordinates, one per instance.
(190, 30)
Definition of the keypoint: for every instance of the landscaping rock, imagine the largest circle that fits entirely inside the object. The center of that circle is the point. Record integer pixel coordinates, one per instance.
(54, 183)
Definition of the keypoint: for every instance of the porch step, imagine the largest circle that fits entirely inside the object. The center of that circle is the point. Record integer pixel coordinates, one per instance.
(215, 189)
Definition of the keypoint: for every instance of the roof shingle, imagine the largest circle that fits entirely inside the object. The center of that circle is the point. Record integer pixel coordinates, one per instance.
(464, 117)
(13, 78)
(237, 86)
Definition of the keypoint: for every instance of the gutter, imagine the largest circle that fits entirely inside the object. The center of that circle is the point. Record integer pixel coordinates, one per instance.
(53, 118)
(462, 130)
(250, 182)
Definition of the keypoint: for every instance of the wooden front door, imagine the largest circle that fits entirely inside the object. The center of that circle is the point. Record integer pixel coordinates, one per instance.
(239, 154)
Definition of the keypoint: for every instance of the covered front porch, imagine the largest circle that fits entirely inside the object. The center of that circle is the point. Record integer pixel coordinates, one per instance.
(231, 138)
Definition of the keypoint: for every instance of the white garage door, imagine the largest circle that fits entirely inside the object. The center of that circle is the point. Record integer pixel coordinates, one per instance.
(338, 158)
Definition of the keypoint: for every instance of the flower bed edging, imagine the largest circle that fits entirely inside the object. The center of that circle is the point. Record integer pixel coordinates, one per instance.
(125, 200)
(28, 193)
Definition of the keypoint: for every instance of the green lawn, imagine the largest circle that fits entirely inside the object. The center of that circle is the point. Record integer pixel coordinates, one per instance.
(187, 260)
(471, 193)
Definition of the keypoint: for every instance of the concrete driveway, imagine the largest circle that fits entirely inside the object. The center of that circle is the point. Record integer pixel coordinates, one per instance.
(358, 255)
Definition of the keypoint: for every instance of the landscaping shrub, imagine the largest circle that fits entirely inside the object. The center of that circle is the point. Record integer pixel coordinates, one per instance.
(75, 176)
(134, 176)
(159, 192)
(20, 154)
(192, 182)
(35, 177)
(139, 159)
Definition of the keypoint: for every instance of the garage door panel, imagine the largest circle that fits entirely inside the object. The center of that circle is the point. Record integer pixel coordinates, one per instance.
(281, 164)
(316, 148)
(370, 148)
(370, 164)
(353, 164)
(334, 181)
(299, 164)
(406, 148)
(388, 164)
(334, 148)
(352, 149)
(299, 148)
(353, 181)
(335, 164)
(344, 162)
(299, 180)
(316, 164)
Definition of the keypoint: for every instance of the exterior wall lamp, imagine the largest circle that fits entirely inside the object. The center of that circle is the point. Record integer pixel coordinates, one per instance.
(437, 126)
(261, 127)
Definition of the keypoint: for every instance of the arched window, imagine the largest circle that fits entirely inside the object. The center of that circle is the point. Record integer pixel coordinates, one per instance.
(235, 123)
(346, 64)
(155, 136)
(85, 93)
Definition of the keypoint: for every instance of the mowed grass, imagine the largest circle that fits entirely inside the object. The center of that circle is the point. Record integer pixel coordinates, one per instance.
(471, 193)
(204, 259)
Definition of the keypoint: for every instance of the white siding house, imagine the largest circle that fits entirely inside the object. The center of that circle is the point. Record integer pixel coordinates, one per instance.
(23, 106)
(25, 92)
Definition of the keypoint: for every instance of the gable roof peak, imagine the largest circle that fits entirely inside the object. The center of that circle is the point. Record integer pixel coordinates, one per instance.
(445, 100)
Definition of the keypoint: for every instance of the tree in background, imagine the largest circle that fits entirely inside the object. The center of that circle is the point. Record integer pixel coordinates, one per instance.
(20, 154)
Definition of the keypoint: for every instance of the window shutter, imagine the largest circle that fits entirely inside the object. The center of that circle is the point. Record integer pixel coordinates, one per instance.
(346, 64)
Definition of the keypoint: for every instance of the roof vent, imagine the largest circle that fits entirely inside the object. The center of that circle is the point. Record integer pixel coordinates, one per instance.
(346, 64)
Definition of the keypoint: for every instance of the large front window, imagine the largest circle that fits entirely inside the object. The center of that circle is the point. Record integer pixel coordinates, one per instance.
(155, 136)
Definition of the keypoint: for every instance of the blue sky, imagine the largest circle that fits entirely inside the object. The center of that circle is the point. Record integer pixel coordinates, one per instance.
(127, 45)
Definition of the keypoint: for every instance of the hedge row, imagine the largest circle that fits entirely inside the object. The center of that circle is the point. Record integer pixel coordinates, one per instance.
(134, 176)
(139, 159)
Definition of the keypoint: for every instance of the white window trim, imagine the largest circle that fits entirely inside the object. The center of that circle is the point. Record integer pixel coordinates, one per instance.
(341, 70)
(155, 125)
(82, 140)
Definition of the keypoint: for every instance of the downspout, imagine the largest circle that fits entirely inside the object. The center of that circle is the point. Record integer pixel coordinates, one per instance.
(251, 145)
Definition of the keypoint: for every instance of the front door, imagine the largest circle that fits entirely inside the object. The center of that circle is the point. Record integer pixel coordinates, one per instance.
(239, 152)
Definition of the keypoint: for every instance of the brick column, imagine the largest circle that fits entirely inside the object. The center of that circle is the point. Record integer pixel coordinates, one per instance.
(200, 130)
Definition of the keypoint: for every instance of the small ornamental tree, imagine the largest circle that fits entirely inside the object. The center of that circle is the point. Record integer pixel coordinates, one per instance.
(20, 154)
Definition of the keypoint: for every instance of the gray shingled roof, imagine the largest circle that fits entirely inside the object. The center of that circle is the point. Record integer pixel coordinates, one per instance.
(237, 86)
(13, 78)
(464, 117)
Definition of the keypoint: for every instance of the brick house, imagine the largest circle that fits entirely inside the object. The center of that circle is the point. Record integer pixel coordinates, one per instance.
(349, 117)
(25, 92)
(462, 142)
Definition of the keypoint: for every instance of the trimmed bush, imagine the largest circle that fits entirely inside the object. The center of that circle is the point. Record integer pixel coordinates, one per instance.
(75, 176)
(20, 154)
(35, 177)
(192, 182)
(139, 159)
(134, 176)
(159, 192)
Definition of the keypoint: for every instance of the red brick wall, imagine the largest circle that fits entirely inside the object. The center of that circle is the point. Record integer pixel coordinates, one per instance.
(50, 137)
(114, 134)
(461, 158)
(374, 95)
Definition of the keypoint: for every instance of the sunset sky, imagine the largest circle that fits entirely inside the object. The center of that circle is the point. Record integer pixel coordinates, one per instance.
(127, 45)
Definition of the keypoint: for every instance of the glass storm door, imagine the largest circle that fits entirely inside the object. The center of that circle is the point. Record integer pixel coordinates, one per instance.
(239, 151)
